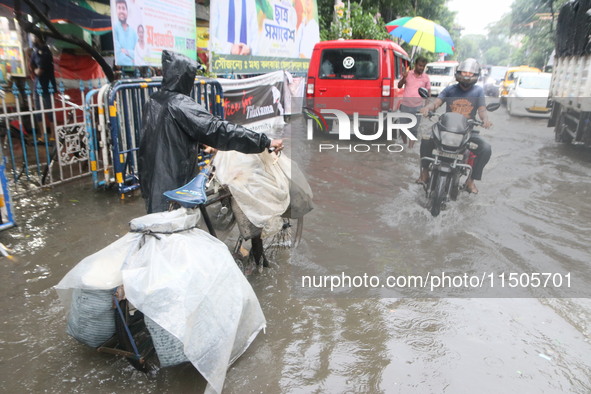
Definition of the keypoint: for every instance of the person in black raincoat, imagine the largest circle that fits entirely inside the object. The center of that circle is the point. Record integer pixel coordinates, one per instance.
(174, 125)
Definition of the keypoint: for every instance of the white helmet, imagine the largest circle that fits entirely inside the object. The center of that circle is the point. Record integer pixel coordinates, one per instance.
(469, 65)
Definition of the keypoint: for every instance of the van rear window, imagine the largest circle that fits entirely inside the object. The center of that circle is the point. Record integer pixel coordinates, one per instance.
(349, 63)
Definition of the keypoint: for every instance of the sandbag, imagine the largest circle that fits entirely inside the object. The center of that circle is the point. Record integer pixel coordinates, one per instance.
(91, 319)
(168, 348)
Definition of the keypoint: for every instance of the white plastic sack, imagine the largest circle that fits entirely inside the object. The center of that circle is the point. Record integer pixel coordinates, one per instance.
(256, 182)
(102, 270)
(300, 192)
(188, 283)
(99, 271)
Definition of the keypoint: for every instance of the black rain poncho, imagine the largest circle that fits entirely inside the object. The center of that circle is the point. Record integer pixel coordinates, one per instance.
(173, 125)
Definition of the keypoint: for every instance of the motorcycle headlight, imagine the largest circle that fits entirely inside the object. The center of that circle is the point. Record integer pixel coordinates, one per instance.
(451, 139)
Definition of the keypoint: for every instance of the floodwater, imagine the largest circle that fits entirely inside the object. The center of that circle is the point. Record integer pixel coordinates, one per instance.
(533, 214)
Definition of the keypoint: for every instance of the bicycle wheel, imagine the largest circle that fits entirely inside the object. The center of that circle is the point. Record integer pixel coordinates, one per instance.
(288, 237)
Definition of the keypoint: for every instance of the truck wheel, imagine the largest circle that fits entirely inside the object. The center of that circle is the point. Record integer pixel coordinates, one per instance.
(560, 132)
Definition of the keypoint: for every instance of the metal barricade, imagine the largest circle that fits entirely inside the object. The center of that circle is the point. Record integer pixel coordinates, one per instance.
(50, 144)
(97, 131)
(125, 108)
(6, 218)
(45, 141)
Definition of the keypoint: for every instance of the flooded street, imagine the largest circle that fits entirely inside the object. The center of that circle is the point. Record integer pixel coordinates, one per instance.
(532, 215)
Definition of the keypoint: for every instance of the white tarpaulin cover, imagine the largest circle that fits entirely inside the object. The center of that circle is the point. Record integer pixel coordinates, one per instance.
(257, 183)
(187, 282)
(264, 186)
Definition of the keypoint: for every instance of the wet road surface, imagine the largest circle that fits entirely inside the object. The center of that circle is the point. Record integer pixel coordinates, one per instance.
(533, 214)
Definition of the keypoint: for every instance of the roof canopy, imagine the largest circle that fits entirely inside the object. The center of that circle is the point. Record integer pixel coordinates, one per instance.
(65, 11)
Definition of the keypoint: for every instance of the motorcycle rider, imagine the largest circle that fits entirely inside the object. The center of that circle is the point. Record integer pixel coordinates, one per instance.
(467, 99)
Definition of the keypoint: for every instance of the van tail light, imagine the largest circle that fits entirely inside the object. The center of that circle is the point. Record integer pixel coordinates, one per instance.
(386, 87)
(310, 86)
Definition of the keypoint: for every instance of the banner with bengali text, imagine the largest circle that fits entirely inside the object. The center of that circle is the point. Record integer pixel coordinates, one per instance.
(142, 29)
(265, 32)
(257, 65)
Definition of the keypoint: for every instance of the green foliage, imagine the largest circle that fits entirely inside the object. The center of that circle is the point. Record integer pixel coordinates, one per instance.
(520, 37)
(470, 46)
(358, 23)
(362, 18)
(528, 22)
(523, 36)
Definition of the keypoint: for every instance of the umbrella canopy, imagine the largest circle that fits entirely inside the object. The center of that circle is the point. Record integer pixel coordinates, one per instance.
(423, 33)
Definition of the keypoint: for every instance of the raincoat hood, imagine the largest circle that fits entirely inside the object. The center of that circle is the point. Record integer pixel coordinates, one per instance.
(173, 126)
(178, 72)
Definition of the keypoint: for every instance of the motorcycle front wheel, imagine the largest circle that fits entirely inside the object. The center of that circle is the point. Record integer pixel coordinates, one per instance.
(438, 193)
(455, 187)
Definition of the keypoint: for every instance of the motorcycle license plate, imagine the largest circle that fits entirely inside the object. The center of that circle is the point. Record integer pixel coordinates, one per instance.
(454, 156)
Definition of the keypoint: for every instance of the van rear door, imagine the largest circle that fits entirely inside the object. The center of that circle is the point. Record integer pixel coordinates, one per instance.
(349, 80)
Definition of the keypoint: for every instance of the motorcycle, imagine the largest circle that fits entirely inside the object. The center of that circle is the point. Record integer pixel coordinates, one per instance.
(452, 157)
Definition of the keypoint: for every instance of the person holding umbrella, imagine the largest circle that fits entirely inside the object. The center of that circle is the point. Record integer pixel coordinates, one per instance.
(411, 101)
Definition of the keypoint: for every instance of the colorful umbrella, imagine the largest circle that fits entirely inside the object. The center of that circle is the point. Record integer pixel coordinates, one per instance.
(423, 33)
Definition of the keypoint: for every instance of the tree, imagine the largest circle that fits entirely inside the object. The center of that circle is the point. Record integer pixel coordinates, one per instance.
(366, 10)
(356, 23)
(470, 46)
(533, 20)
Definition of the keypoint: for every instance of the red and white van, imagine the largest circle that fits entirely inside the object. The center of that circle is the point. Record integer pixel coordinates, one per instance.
(356, 76)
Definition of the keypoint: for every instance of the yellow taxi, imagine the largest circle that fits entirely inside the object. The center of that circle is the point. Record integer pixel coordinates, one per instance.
(510, 76)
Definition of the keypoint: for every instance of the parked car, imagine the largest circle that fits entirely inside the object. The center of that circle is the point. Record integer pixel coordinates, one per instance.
(510, 75)
(441, 74)
(355, 76)
(493, 80)
(528, 95)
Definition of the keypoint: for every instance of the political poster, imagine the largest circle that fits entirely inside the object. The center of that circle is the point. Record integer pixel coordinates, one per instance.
(257, 102)
(256, 36)
(142, 29)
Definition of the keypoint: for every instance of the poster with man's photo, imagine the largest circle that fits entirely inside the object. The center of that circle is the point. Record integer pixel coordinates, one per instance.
(142, 29)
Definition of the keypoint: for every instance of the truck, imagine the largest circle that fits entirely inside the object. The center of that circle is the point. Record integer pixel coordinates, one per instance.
(570, 90)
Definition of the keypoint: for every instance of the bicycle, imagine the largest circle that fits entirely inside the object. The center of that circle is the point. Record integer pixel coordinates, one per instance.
(132, 339)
